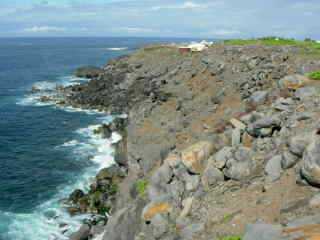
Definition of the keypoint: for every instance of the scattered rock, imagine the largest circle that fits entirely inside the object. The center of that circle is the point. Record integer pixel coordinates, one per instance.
(288, 160)
(125, 223)
(258, 97)
(194, 156)
(306, 92)
(82, 234)
(293, 82)
(315, 201)
(88, 72)
(263, 232)
(273, 168)
(298, 144)
(241, 165)
(311, 161)
(211, 176)
(264, 126)
(238, 124)
(219, 160)
(154, 208)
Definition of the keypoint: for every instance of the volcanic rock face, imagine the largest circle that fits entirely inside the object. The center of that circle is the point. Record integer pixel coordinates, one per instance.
(214, 141)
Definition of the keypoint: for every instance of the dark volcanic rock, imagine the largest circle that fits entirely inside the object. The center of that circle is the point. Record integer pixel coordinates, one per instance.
(88, 72)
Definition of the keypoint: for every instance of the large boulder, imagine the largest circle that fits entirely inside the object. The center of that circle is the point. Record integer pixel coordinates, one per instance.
(82, 234)
(299, 143)
(125, 223)
(219, 160)
(264, 126)
(293, 82)
(241, 165)
(161, 206)
(273, 168)
(311, 161)
(211, 176)
(263, 231)
(194, 157)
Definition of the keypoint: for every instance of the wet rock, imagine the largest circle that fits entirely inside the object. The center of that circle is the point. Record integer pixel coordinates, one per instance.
(88, 72)
(263, 232)
(76, 195)
(82, 234)
(293, 82)
(194, 156)
(241, 165)
(104, 130)
(311, 161)
(288, 160)
(273, 168)
(211, 176)
(112, 173)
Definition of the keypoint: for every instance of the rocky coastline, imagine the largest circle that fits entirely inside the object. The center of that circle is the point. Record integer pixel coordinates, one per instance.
(219, 144)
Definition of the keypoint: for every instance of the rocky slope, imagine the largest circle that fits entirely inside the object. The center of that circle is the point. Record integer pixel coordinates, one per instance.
(215, 141)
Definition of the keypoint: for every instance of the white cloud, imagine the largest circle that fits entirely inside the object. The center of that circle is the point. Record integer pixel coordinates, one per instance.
(185, 5)
(135, 30)
(44, 29)
(225, 32)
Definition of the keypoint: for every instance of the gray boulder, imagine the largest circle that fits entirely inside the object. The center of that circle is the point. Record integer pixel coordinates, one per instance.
(306, 92)
(219, 160)
(241, 165)
(211, 176)
(259, 97)
(264, 127)
(288, 160)
(311, 161)
(263, 231)
(295, 81)
(125, 223)
(82, 234)
(273, 168)
(298, 144)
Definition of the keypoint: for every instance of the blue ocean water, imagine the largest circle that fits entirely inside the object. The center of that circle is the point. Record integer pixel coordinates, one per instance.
(45, 151)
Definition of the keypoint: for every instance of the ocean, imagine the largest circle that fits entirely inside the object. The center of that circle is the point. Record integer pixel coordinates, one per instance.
(47, 151)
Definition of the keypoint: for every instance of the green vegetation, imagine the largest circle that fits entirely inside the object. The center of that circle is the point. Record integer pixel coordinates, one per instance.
(113, 189)
(231, 238)
(314, 75)
(141, 186)
(227, 218)
(307, 47)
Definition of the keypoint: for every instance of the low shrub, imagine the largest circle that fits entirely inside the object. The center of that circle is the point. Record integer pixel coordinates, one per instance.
(314, 75)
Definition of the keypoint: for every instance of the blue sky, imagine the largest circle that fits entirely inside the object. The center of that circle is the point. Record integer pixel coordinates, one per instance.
(161, 18)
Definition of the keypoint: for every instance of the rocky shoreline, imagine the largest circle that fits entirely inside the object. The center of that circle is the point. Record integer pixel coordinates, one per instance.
(220, 144)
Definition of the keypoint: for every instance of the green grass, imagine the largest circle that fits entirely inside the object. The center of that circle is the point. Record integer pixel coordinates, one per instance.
(141, 186)
(231, 238)
(314, 75)
(307, 47)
